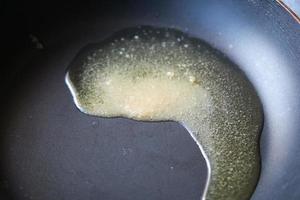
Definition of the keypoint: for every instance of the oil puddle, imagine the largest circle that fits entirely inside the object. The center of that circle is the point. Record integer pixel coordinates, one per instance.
(157, 74)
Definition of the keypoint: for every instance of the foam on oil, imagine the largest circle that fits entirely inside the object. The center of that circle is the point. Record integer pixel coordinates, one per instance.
(156, 74)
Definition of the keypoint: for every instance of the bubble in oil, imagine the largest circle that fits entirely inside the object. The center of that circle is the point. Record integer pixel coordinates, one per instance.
(157, 74)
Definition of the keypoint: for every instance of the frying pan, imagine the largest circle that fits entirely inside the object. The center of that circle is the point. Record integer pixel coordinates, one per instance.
(50, 150)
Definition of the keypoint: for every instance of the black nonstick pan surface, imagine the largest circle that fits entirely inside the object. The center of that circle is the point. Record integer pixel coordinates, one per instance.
(50, 150)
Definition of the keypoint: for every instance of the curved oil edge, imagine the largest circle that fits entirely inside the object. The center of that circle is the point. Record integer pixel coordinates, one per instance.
(206, 161)
(74, 93)
(77, 103)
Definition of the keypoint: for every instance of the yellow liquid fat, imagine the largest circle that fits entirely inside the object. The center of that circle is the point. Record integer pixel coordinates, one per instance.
(157, 74)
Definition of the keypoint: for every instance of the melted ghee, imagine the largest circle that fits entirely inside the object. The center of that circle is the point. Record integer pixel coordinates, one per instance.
(156, 74)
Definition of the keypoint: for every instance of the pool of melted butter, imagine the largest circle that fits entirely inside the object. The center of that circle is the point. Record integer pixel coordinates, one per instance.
(157, 74)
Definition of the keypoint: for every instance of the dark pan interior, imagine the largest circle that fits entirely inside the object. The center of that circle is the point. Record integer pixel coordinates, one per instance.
(50, 150)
